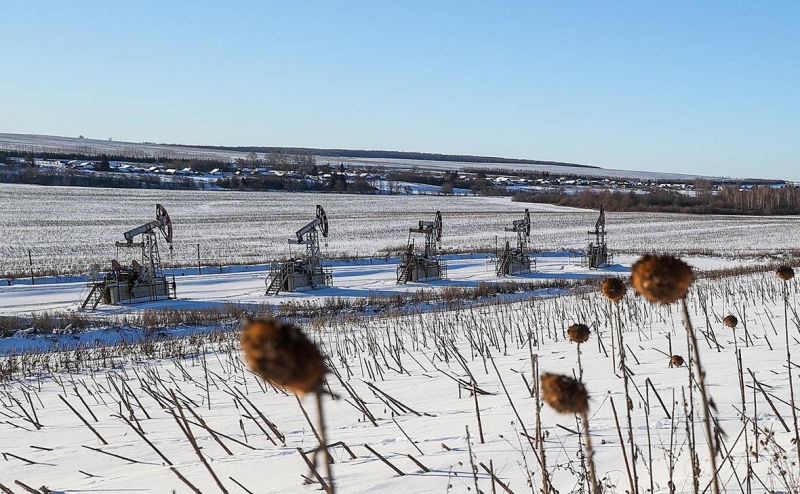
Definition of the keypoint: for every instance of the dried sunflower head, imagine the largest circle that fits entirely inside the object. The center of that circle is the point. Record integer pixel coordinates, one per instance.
(578, 333)
(785, 273)
(282, 355)
(730, 321)
(564, 394)
(662, 279)
(676, 360)
(613, 289)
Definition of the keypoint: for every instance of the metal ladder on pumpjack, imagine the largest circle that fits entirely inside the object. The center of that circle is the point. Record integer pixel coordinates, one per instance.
(277, 278)
(96, 293)
(502, 266)
(404, 273)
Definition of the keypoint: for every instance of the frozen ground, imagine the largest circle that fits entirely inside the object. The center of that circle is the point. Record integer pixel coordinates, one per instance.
(67, 229)
(408, 392)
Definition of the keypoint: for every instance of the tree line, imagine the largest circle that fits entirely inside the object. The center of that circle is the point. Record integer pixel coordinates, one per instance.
(758, 200)
(336, 183)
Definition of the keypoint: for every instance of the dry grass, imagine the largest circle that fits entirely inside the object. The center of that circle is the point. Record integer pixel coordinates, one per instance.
(150, 319)
(46, 323)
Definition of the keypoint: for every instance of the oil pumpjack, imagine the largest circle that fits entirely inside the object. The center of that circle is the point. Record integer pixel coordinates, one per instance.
(308, 270)
(597, 252)
(517, 260)
(141, 281)
(423, 265)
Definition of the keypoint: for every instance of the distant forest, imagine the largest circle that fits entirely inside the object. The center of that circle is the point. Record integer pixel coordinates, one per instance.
(763, 200)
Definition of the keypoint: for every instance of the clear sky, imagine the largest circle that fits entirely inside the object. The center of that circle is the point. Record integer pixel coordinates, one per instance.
(697, 87)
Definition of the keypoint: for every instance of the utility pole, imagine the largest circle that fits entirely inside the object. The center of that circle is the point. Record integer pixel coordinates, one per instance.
(30, 263)
(199, 269)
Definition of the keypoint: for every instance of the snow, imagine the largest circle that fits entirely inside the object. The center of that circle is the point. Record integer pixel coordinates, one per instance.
(413, 359)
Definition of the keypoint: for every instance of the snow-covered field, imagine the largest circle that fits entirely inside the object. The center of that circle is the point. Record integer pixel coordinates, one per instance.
(403, 388)
(67, 229)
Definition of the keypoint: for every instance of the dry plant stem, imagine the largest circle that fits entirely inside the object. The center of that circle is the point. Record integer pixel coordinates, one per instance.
(539, 438)
(313, 470)
(477, 412)
(671, 465)
(499, 482)
(649, 442)
(744, 420)
(628, 402)
(590, 454)
(789, 367)
(755, 421)
(613, 348)
(472, 463)
(308, 419)
(491, 474)
(187, 431)
(584, 468)
(516, 413)
(701, 379)
(688, 413)
(26, 487)
(622, 445)
(324, 443)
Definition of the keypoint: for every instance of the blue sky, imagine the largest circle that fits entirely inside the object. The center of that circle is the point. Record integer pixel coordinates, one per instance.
(695, 87)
